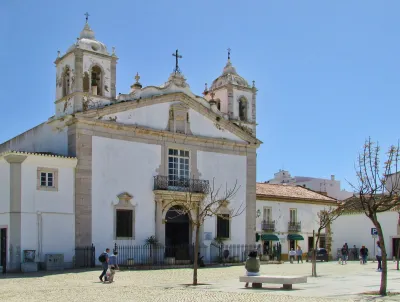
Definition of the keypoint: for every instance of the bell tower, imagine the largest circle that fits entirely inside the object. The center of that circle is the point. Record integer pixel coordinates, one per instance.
(85, 75)
(234, 97)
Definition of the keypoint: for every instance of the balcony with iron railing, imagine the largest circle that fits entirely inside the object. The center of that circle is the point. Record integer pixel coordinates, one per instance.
(294, 226)
(268, 225)
(181, 184)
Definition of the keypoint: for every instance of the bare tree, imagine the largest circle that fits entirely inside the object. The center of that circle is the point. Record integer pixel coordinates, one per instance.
(215, 202)
(377, 191)
(325, 219)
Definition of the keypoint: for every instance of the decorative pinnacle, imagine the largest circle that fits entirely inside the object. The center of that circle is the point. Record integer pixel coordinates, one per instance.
(254, 83)
(113, 51)
(87, 17)
(206, 88)
(58, 54)
(229, 53)
(137, 77)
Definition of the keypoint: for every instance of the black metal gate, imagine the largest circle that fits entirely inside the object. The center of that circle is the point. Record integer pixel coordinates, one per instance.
(85, 256)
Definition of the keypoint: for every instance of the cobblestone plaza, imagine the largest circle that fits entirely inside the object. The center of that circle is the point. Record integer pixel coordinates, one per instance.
(336, 283)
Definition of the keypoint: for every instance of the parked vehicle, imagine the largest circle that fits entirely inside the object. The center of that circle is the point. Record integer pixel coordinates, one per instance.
(322, 255)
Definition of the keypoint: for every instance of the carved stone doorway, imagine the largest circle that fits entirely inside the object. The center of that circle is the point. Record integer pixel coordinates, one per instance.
(177, 234)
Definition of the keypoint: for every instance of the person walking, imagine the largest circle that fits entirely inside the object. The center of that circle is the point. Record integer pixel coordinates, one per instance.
(379, 256)
(292, 254)
(252, 266)
(112, 265)
(363, 255)
(299, 254)
(345, 253)
(103, 258)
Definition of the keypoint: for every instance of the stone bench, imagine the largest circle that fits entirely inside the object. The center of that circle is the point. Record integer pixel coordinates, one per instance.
(287, 281)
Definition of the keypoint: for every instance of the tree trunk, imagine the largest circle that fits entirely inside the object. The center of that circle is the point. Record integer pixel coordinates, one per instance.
(314, 255)
(196, 252)
(382, 290)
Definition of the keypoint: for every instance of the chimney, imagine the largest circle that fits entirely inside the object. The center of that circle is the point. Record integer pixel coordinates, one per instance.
(332, 177)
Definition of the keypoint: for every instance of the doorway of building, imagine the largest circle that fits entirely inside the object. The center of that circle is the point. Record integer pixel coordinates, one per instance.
(177, 234)
(3, 250)
(395, 247)
(310, 243)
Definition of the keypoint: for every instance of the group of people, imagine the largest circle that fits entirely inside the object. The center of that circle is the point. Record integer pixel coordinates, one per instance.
(296, 253)
(108, 262)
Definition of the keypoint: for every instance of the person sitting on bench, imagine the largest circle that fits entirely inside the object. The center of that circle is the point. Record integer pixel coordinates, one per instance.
(252, 266)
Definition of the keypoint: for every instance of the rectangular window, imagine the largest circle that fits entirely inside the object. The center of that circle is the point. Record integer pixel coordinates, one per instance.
(46, 179)
(223, 225)
(293, 215)
(267, 214)
(178, 167)
(124, 227)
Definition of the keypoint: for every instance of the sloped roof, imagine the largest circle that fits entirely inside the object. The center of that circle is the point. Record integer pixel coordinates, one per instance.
(46, 154)
(290, 192)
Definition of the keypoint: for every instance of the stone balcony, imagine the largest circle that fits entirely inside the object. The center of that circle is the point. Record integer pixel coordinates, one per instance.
(294, 226)
(181, 185)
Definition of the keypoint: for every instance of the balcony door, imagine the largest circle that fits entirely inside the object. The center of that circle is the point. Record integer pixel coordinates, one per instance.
(267, 214)
(293, 215)
(178, 168)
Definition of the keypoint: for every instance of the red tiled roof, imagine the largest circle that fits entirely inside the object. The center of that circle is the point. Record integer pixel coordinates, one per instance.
(290, 192)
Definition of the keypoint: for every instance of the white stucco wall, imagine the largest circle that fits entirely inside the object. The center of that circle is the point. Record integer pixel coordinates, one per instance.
(47, 219)
(118, 167)
(4, 187)
(154, 116)
(89, 60)
(226, 170)
(356, 230)
(68, 60)
(306, 214)
(5, 198)
(202, 126)
(42, 138)
(222, 95)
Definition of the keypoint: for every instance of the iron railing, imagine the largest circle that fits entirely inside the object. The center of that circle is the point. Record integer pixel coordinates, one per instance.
(85, 256)
(268, 226)
(181, 184)
(294, 226)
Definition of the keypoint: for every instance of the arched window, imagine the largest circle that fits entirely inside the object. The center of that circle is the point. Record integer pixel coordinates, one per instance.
(218, 101)
(242, 109)
(86, 82)
(97, 79)
(66, 81)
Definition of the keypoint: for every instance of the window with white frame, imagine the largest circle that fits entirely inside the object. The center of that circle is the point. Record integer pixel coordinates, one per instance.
(47, 179)
(267, 214)
(178, 167)
(293, 215)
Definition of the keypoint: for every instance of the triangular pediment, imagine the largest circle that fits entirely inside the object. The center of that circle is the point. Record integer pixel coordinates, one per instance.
(158, 112)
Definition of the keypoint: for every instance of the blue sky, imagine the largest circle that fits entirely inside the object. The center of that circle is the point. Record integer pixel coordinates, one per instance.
(328, 72)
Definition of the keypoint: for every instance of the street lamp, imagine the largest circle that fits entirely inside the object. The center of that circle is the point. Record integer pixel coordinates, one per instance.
(258, 213)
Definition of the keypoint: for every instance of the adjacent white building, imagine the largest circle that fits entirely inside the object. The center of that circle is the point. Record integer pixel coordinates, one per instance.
(330, 187)
(289, 214)
(104, 168)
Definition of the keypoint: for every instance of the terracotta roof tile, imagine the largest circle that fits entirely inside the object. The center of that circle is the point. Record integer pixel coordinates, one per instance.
(290, 192)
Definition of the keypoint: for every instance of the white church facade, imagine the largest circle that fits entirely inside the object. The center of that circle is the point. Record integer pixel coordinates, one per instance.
(103, 168)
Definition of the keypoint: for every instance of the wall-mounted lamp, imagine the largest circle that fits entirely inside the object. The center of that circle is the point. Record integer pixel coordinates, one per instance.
(258, 213)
